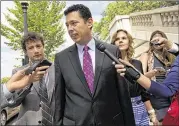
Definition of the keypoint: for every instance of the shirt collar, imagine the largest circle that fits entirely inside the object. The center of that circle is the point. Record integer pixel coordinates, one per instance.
(91, 45)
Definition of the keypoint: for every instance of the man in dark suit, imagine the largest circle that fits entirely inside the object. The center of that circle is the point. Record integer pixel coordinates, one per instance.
(88, 91)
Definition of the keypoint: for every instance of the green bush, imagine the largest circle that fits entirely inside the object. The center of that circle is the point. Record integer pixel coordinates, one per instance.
(4, 80)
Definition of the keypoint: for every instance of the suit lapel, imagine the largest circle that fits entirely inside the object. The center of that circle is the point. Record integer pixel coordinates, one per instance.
(51, 82)
(74, 58)
(36, 86)
(99, 57)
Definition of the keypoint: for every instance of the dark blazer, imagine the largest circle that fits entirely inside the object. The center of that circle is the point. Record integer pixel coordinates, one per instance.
(110, 105)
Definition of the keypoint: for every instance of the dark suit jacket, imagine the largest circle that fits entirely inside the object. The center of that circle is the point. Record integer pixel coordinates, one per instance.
(110, 105)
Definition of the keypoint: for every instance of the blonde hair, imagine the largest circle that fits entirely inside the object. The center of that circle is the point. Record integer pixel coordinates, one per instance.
(130, 50)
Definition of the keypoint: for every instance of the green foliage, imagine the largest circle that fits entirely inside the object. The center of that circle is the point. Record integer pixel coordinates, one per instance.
(17, 66)
(4, 80)
(44, 17)
(125, 8)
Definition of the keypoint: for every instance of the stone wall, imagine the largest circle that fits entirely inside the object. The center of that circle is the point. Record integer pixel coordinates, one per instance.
(142, 24)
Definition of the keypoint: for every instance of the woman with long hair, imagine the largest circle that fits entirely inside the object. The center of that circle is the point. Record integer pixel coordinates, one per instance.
(156, 62)
(139, 97)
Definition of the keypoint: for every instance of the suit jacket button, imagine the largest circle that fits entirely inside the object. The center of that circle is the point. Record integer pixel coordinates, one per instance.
(40, 105)
(39, 122)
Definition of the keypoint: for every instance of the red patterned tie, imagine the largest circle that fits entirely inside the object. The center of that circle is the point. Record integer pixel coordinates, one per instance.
(88, 68)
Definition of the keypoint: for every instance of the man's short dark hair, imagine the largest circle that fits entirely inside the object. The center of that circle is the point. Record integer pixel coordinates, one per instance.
(31, 36)
(83, 10)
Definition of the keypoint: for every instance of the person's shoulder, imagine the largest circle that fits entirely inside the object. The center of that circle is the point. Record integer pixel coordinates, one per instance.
(19, 68)
(137, 64)
(107, 45)
(110, 46)
(136, 61)
(145, 54)
(64, 52)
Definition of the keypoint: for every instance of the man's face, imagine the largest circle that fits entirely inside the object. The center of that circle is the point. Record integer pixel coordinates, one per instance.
(78, 29)
(35, 50)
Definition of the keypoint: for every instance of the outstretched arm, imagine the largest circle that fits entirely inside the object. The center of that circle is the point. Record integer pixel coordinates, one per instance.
(168, 88)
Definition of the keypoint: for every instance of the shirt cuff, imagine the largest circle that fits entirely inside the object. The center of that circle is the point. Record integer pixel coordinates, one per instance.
(174, 48)
(6, 92)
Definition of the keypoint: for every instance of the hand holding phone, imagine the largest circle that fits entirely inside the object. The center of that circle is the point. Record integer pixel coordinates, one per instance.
(37, 64)
(155, 43)
(160, 70)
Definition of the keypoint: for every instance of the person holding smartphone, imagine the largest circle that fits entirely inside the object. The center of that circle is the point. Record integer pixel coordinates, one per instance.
(156, 62)
(18, 81)
(28, 95)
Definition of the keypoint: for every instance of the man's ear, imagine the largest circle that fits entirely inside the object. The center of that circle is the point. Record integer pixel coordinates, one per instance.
(90, 22)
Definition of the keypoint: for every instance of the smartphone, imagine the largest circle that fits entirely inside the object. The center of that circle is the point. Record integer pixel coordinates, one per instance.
(160, 69)
(37, 64)
(45, 63)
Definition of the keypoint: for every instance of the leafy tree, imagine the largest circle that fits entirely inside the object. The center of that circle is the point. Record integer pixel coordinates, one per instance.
(125, 8)
(44, 17)
(4, 80)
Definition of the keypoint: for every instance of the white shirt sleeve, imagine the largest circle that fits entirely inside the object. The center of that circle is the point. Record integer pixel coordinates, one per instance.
(174, 48)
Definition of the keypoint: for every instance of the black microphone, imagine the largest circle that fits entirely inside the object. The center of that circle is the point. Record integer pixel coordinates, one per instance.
(130, 71)
(102, 48)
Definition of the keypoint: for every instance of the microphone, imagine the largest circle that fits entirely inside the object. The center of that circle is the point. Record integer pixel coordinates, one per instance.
(130, 71)
(102, 48)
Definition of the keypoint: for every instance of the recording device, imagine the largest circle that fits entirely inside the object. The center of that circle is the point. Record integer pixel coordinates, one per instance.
(37, 64)
(160, 69)
(155, 43)
(130, 71)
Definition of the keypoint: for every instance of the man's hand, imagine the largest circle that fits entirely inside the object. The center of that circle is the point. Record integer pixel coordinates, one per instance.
(19, 80)
(38, 73)
(163, 42)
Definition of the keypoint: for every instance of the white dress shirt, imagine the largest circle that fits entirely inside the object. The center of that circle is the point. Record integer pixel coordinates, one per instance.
(91, 51)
